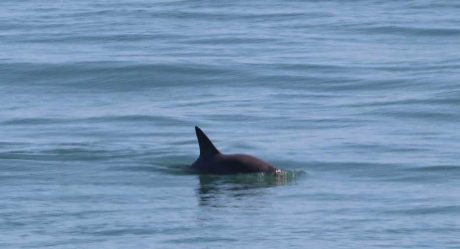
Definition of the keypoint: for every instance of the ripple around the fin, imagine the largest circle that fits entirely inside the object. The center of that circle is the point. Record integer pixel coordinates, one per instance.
(159, 162)
(254, 179)
(171, 169)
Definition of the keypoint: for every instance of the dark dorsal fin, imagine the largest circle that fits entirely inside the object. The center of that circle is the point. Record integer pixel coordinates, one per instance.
(206, 147)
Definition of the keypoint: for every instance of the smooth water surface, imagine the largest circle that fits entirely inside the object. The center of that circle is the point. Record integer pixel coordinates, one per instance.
(358, 100)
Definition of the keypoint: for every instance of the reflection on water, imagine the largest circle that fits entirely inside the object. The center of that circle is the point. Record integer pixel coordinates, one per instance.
(217, 189)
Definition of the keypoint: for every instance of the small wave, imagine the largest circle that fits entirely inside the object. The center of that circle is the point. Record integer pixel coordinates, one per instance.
(136, 118)
(123, 231)
(430, 116)
(427, 210)
(66, 153)
(426, 174)
(230, 40)
(413, 31)
(408, 101)
(440, 168)
(114, 76)
(33, 121)
(57, 155)
(85, 38)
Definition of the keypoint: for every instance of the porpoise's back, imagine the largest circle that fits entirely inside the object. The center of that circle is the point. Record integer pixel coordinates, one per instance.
(213, 162)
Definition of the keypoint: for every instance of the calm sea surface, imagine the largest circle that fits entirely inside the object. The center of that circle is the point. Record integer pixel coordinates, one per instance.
(359, 101)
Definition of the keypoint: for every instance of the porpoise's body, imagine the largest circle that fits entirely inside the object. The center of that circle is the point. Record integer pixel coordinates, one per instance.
(211, 161)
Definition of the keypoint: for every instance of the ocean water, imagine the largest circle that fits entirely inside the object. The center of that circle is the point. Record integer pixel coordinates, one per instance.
(359, 101)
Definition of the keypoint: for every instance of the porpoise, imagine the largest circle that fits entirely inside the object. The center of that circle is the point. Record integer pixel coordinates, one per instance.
(211, 161)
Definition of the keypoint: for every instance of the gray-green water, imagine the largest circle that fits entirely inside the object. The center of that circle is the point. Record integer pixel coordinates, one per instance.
(358, 100)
